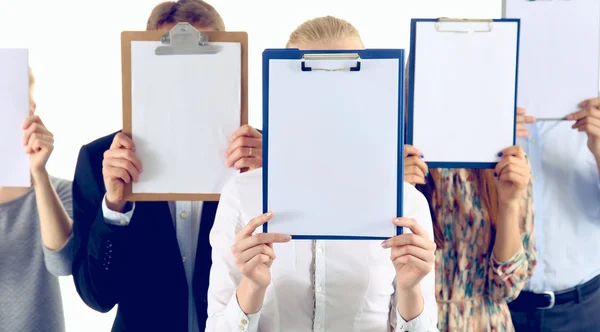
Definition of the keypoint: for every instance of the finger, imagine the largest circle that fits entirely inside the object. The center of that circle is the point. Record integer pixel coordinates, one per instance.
(39, 145)
(30, 120)
(509, 161)
(252, 264)
(420, 253)
(594, 112)
(585, 121)
(413, 261)
(520, 111)
(514, 150)
(593, 102)
(416, 161)
(590, 129)
(122, 141)
(116, 173)
(253, 224)
(409, 239)
(122, 153)
(522, 131)
(247, 255)
(35, 128)
(248, 162)
(260, 238)
(244, 130)
(414, 179)
(243, 141)
(410, 150)
(243, 152)
(411, 224)
(514, 177)
(124, 164)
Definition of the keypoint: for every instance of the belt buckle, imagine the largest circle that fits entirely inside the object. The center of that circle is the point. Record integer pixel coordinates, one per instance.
(552, 300)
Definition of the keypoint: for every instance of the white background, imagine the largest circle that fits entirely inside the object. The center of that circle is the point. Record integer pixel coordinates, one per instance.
(75, 55)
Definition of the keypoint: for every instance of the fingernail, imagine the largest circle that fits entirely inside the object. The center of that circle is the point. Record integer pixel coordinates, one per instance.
(385, 244)
(422, 156)
(427, 174)
(570, 117)
(268, 214)
(425, 181)
(499, 154)
(288, 237)
(583, 104)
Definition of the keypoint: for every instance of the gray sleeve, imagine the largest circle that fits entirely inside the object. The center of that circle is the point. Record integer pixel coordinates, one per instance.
(59, 262)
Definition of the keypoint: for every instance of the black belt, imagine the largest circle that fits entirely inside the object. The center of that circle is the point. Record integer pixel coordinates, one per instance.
(546, 300)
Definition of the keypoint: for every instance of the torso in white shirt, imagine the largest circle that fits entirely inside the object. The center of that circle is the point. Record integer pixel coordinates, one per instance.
(354, 280)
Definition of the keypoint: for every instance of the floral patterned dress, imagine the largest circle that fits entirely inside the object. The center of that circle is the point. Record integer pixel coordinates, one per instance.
(472, 288)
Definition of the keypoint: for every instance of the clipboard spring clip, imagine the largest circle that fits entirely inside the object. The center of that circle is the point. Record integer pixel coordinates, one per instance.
(183, 38)
(331, 56)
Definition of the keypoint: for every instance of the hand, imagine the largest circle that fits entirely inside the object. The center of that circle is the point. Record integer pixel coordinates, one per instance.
(522, 119)
(254, 254)
(415, 169)
(120, 166)
(38, 143)
(413, 254)
(245, 149)
(513, 173)
(588, 121)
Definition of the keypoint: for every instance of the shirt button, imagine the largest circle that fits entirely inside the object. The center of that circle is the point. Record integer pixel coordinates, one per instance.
(123, 222)
(319, 289)
(318, 326)
(319, 250)
(241, 327)
(183, 215)
(183, 259)
(244, 321)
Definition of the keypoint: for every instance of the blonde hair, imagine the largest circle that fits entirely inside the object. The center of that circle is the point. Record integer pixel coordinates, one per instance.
(323, 29)
(31, 85)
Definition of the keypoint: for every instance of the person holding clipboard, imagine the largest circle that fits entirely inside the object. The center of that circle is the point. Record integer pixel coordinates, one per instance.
(248, 293)
(564, 291)
(36, 241)
(161, 298)
(483, 225)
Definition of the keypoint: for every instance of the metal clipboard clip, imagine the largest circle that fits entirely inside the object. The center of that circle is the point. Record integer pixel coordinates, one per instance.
(439, 28)
(183, 38)
(331, 56)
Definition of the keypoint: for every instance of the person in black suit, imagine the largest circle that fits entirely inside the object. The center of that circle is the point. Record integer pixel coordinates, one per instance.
(153, 259)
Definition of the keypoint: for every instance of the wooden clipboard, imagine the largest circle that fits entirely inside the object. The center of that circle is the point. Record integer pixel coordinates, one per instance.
(127, 37)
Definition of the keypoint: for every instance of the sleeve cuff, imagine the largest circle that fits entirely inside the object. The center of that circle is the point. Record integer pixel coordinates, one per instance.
(510, 266)
(422, 323)
(59, 262)
(239, 321)
(116, 218)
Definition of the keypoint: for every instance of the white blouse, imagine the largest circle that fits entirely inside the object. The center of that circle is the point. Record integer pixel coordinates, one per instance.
(353, 280)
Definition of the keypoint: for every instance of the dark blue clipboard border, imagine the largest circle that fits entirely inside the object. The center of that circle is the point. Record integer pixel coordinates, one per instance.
(295, 54)
(411, 84)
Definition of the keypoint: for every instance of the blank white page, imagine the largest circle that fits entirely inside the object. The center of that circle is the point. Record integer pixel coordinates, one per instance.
(14, 109)
(559, 54)
(333, 148)
(464, 91)
(184, 108)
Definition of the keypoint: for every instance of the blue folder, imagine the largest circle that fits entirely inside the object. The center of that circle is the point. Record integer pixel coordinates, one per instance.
(411, 81)
(295, 54)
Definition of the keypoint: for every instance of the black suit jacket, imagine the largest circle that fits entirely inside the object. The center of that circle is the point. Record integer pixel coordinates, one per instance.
(138, 267)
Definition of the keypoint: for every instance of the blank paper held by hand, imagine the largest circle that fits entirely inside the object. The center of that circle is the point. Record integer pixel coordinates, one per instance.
(14, 109)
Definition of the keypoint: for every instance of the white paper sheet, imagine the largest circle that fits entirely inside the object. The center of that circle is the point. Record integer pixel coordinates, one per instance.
(14, 109)
(559, 54)
(184, 108)
(333, 142)
(464, 91)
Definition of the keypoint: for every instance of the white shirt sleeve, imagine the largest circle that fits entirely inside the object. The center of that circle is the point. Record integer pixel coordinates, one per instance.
(224, 313)
(416, 207)
(116, 218)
